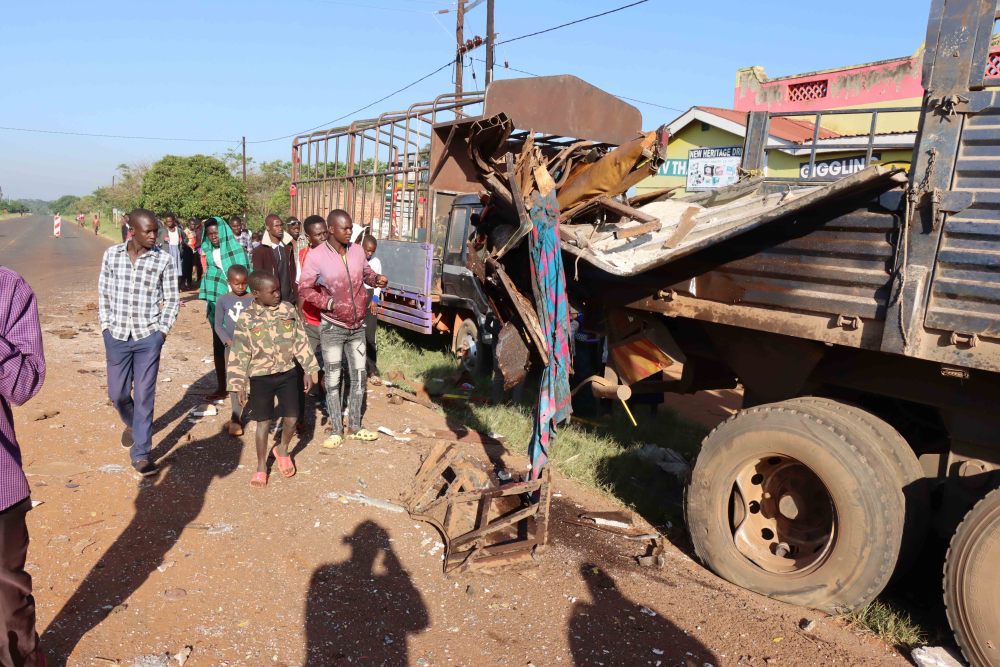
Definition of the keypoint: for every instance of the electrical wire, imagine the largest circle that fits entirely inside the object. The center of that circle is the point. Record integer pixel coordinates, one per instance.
(564, 25)
(116, 136)
(359, 109)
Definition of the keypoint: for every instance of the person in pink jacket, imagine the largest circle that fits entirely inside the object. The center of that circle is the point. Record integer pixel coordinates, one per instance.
(333, 279)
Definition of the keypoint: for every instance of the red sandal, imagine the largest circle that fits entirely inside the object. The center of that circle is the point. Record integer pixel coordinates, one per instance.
(285, 465)
(259, 480)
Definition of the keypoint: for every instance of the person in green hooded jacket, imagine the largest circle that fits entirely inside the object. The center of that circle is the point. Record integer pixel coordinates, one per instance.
(221, 251)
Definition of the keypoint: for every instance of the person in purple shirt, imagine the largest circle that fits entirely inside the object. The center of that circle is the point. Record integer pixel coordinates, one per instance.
(22, 372)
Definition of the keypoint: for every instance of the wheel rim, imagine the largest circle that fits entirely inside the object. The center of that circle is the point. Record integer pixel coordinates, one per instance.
(781, 515)
(467, 350)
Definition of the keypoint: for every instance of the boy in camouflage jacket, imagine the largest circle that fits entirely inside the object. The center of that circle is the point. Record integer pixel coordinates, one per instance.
(268, 341)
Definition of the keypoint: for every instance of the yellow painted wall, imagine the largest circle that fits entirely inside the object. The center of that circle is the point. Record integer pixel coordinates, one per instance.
(690, 137)
(781, 165)
(860, 123)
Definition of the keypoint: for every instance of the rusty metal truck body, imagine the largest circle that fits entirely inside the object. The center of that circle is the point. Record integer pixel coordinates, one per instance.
(860, 316)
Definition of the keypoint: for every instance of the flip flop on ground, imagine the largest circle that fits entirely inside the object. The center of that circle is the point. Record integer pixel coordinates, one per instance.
(363, 434)
(259, 480)
(333, 441)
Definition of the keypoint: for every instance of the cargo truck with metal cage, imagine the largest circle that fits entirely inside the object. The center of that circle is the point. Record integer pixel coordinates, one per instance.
(860, 315)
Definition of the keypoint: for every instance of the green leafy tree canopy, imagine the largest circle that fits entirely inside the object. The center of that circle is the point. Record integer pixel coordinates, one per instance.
(193, 186)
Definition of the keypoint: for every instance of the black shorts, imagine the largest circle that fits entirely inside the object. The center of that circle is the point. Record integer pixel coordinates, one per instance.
(264, 389)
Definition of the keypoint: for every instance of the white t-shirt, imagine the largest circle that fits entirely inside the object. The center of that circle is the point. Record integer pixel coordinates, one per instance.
(173, 236)
(376, 265)
(217, 257)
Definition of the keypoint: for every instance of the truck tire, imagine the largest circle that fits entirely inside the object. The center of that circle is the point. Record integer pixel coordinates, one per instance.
(471, 351)
(785, 500)
(971, 583)
(909, 474)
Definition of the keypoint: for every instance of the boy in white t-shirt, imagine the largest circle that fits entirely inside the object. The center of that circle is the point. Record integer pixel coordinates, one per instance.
(370, 245)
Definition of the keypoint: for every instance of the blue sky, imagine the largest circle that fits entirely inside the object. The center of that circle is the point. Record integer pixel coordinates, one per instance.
(223, 69)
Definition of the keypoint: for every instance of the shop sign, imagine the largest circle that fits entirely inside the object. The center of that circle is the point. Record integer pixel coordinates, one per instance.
(673, 168)
(841, 166)
(710, 168)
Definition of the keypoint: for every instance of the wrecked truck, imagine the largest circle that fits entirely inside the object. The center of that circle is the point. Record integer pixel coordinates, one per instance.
(860, 316)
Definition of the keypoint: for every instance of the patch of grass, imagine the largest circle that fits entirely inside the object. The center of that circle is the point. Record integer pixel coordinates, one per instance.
(602, 455)
(889, 623)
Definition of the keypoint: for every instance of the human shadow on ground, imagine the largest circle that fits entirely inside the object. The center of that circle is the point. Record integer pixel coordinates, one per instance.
(164, 507)
(364, 608)
(613, 630)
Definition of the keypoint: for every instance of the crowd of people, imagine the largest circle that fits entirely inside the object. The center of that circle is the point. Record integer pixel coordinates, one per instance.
(278, 306)
(287, 308)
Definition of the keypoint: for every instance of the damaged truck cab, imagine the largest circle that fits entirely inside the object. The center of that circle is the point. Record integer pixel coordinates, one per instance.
(860, 316)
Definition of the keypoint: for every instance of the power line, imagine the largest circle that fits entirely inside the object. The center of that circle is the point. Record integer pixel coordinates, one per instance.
(116, 136)
(557, 27)
(621, 97)
(358, 110)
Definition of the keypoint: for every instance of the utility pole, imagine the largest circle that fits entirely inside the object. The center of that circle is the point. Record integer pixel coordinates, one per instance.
(459, 41)
(244, 160)
(490, 38)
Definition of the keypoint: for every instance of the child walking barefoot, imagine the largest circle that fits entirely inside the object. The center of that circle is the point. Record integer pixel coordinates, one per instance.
(267, 342)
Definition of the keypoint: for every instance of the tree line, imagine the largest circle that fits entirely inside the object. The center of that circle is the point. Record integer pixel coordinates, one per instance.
(198, 186)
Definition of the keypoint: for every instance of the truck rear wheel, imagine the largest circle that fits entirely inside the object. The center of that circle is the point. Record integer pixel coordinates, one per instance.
(787, 501)
(473, 354)
(972, 584)
(909, 475)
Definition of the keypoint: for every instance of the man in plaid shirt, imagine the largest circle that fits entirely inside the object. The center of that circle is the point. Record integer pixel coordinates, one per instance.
(137, 306)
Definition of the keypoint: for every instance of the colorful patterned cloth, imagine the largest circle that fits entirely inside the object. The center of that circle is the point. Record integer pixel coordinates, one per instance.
(553, 314)
(214, 284)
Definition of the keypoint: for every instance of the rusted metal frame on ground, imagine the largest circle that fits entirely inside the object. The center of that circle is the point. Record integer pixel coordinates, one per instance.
(443, 482)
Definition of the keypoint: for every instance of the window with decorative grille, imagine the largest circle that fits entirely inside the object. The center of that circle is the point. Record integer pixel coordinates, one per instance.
(809, 90)
(993, 66)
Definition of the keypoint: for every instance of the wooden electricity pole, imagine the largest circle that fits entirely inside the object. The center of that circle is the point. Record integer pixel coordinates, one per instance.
(244, 160)
(489, 42)
(459, 41)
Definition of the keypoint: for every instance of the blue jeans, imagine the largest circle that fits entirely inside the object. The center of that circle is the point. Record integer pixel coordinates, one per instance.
(132, 369)
(338, 342)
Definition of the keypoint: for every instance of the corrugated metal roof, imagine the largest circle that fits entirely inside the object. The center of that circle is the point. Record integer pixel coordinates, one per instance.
(788, 129)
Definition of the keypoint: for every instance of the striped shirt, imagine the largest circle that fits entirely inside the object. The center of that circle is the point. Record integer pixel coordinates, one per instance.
(22, 372)
(137, 299)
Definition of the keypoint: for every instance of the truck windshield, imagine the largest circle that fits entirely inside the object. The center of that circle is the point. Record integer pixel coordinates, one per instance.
(458, 230)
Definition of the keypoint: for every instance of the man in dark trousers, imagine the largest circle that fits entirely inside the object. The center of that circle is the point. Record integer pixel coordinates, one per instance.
(22, 372)
(276, 255)
(137, 304)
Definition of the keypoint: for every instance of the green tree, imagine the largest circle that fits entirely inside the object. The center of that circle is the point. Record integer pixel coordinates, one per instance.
(193, 186)
(64, 204)
(267, 186)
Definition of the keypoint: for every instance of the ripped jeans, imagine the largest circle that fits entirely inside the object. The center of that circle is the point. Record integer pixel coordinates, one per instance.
(336, 343)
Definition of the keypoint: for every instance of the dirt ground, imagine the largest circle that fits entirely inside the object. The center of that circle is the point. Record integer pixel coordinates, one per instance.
(298, 574)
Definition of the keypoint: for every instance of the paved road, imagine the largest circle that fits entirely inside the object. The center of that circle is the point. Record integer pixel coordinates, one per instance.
(46, 262)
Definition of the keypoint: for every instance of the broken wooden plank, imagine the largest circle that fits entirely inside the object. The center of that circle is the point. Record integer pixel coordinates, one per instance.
(684, 227)
(638, 230)
(625, 210)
